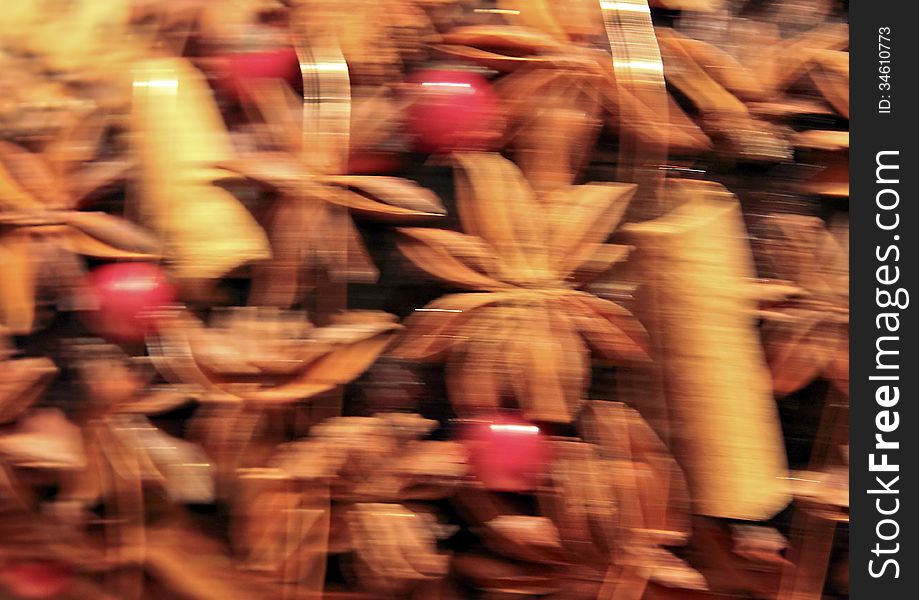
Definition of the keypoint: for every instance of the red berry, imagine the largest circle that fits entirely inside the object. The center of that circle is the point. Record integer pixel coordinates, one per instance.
(453, 110)
(36, 579)
(233, 70)
(507, 454)
(125, 295)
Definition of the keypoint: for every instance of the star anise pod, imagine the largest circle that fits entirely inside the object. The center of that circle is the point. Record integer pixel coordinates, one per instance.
(34, 218)
(717, 86)
(104, 452)
(576, 87)
(39, 450)
(806, 334)
(525, 329)
(375, 466)
(113, 419)
(267, 359)
(305, 236)
(255, 368)
(785, 68)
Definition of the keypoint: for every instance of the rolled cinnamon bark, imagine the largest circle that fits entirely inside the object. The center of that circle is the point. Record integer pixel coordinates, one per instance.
(725, 427)
(179, 139)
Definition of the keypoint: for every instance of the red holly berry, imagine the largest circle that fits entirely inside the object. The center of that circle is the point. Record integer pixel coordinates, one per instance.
(453, 110)
(507, 454)
(125, 297)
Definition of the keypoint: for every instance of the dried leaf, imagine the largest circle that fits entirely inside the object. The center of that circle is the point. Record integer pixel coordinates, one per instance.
(394, 546)
(388, 197)
(456, 258)
(533, 539)
(518, 242)
(21, 383)
(432, 331)
(490, 573)
(44, 439)
(511, 40)
(553, 362)
(720, 66)
(610, 329)
(17, 294)
(502, 63)
(583, 217)
(478, 370)
(34, 174)
(797, 351)
(96, 231)
(538, 14)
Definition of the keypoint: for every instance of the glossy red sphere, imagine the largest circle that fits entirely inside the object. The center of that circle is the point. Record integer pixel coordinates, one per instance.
(453, 110)
(233, 70)
(36, 579)
(125, 297)
(507, 454)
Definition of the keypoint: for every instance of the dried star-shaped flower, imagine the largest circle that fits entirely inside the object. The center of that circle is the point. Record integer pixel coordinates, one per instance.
(35, 228)
(269, 359)
(255, 364)
(116, 434)
(806, 334)
(523, 332)
(576, 86)
(300, 223)
(105, 452)
(373, 464)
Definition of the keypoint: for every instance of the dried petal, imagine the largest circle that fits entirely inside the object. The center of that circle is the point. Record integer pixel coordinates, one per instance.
(17, 294)
(432, 331)
(389, 197)
(582, 218)
(21, 384)
(456, 258)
